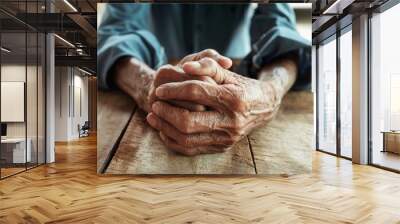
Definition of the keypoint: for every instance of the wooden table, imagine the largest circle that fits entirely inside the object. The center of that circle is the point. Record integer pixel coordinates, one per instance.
(127, 145)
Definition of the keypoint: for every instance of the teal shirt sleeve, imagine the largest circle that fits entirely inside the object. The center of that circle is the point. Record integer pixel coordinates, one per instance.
(125, 30)
(273, 35)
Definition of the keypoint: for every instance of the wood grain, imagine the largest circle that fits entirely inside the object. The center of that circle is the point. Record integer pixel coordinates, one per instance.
(142, 152)
(114, 110)
(284, 145)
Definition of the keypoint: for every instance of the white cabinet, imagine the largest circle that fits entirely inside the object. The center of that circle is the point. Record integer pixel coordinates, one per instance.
(17, 147)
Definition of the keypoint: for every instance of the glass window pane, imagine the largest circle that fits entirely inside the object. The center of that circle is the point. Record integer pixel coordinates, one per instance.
(385, 83)
(41, 98)
(346, 94)
(327, 97)
(22, 63)
(31, 98)
(14, 153)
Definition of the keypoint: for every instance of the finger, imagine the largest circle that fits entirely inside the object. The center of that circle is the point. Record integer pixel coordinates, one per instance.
(225, 62)
(190, 140)
(207, 67)
(171, 144)
(190, 122)
(162, 126)
(169, 73)
(188, 105)
(203, 93)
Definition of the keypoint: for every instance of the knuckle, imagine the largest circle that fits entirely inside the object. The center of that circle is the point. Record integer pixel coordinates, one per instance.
(236, 138)
(238, 122)
(239, 103)
(208, 61)
(240, 132)
(185, 124)
(238, 129)
(164, 70)
(185, 128)
(240, 106)
(210, 52)
(192, 89)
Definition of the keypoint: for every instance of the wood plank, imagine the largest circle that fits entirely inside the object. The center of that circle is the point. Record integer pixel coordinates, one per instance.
(142, 152)
(284, 145)
(70, 191)
(114, 110)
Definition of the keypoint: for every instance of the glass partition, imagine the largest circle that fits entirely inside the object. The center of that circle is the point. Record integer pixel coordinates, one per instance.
(41, 96)
(22, 101)
(31, 99)
(346, 93)
(327, 96)
(385, 89)
(14, 151)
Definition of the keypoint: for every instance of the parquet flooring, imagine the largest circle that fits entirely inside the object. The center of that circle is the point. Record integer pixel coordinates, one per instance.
(70, 191)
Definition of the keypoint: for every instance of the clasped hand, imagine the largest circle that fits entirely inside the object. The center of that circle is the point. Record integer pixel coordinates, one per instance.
(199, 106)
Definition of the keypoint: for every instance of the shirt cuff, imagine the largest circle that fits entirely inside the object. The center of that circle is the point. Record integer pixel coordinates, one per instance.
(141, 45)
(274, 44)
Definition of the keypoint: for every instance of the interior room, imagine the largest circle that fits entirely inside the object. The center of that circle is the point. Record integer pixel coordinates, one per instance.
(42, 77)
(22, 99)
(385, 90)
(49, 110)
(335, 67)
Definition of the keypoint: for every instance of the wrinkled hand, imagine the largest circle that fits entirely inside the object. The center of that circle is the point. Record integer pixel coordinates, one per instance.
(169, 73)
(239, 104)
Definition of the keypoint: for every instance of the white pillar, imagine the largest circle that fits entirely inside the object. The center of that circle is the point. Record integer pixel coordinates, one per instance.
(50, 98)
(360, 90)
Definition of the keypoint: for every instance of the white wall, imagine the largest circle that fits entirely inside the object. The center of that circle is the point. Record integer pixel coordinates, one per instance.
(71, 94)
(34, 125)
(14, 73)
(62, 81)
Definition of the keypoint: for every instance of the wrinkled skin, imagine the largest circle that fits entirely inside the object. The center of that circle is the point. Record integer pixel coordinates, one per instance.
(198, 106)
(140, 81)
(238, 105)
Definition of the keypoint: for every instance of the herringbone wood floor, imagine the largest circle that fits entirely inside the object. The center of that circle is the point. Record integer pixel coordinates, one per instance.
(70, 191)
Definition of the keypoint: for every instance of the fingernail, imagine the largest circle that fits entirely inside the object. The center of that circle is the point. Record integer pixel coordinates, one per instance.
(151, 119)
(162, 136)
(160, 91)
(154, 107)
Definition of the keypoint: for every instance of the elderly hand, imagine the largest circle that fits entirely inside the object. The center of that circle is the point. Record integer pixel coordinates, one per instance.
(239, 104)
(169, 73)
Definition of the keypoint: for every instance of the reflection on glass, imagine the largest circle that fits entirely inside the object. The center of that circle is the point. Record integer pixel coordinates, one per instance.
(327, 97)
(41, 99)
(15, 151)
(31, 100)
(22, 90)
(346, 94)
(386, 89)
